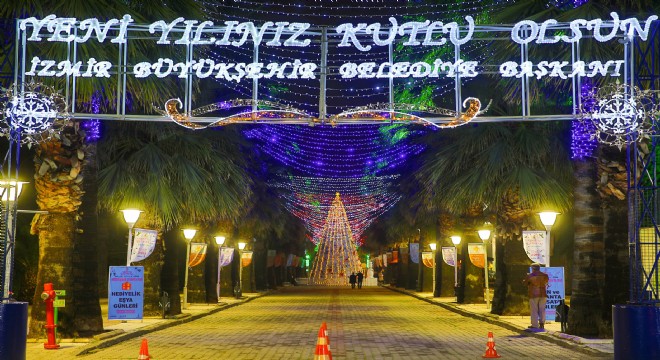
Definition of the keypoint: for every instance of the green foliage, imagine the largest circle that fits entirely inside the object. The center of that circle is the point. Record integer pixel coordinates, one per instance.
(477, 166)
(176, 176)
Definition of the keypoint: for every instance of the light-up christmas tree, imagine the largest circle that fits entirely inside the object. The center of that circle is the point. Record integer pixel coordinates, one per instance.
(336, 257)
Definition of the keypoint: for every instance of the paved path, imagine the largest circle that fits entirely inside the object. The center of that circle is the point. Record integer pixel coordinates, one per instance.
(372, 323)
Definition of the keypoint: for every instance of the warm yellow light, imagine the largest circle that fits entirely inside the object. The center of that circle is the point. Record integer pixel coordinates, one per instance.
(241, 245)
(189, 233)
(455, 239)
(484, 234)
(432, 246)
(219, 240)
(548, 217)
(131, 216)
(11, 190)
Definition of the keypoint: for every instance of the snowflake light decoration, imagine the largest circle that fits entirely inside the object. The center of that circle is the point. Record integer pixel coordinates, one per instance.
(620, 114)
(31, 116)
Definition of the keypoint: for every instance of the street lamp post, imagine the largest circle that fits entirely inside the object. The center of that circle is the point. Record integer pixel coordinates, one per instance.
(11, 190)
(548, 219)
(131, 217)
(456, 240)
(219, 240)
(433, 247)
(239, 287)
(189, 234)
(484, 235)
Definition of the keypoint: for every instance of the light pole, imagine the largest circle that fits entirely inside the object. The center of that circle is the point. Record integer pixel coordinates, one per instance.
(484, 235)
(239, 287)
(131, 217)
(548, 219)
(219, 240)
(455, 240)
(189, 234)
(11, 190)
(433, 247)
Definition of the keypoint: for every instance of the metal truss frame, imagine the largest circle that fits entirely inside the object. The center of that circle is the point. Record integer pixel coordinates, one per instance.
(643, 188)
(321, 37)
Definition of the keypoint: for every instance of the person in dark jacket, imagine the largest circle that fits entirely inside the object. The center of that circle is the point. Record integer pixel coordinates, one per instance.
(352, 279)
(360, 276)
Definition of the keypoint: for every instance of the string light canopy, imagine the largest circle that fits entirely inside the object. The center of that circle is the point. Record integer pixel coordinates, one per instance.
(364, 200)
(338, 152)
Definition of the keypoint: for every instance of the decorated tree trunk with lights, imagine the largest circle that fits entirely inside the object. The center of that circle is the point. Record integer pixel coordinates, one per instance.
(337, 256)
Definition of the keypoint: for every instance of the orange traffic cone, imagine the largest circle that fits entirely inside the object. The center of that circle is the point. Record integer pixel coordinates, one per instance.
(144, 351)
(491, 353)
(322, 352)
(324, 326)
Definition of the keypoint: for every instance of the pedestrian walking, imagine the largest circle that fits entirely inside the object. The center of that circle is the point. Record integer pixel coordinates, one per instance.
(360, 276)
(537, 283)
(352, 279)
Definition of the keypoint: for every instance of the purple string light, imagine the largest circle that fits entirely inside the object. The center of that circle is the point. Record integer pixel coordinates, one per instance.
(583, 143)
(92, 127)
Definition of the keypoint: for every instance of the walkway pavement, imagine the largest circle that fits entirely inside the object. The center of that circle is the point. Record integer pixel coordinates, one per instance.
(118, 331)
(516, 323)
(372, 323)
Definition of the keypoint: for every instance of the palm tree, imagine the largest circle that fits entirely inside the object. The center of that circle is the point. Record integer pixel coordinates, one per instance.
(512, 170)
(177, 177)
(599, 276)
(83, 302)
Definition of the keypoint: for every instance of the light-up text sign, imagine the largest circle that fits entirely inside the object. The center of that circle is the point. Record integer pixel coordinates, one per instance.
(362, 36)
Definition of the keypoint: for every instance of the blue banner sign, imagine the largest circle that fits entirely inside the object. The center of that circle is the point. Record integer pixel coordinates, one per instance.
(125, 292)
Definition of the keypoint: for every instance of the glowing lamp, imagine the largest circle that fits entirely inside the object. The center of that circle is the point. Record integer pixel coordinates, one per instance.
(455, 239)
(484, 234)
(131, 216)
(219, 240)
(189, 233)
(432, 246)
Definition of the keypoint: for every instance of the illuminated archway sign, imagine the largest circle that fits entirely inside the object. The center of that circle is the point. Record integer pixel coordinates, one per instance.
(364, 37)
(297, 34)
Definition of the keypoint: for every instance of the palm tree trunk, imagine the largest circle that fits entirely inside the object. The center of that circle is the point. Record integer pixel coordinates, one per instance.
(58, 180)
(514, 266)
(152, 273)
(588, 264)
(615, 235)
(168, 276)
(55, 252)
(88, 318)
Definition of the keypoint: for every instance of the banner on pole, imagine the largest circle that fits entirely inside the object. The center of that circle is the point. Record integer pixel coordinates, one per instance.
(144, 242)
(279, 260)
(384, 259)
(414, 252)
(477, 253)
(270, 258)
(555, 291)
(289, 260)
(534, 244)
(403, 255)
(395, 257)
(226, 256)
(427, 258)
(246, 258)
(197, 254)
(449, 255)
(125, 292)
